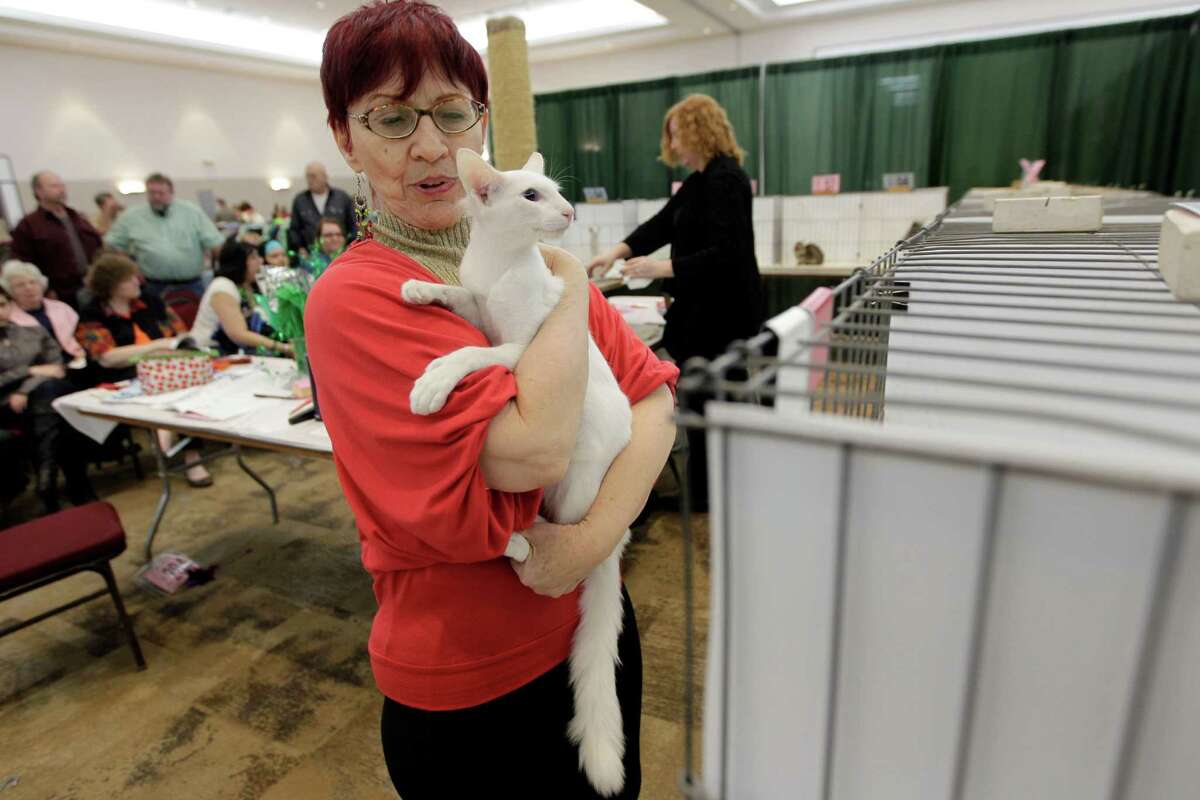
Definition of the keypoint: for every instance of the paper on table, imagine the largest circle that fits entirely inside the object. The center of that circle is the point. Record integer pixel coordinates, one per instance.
(636, 284)
(92, 427)
(640, 309)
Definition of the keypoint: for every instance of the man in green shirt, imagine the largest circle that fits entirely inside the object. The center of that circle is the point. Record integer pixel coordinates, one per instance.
(167, 237)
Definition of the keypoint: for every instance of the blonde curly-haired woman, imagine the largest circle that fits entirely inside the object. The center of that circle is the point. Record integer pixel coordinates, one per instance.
(711, 275)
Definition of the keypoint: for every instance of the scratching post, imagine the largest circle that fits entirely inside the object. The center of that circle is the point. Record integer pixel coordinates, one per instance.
(514, 135)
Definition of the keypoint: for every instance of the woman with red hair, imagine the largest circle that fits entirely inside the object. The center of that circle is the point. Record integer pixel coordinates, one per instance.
(468, 648)
(712, 274)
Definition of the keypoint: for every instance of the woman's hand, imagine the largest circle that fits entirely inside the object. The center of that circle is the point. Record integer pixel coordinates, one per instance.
(643, 267)
(599, 266)
(558, 559)
(18, 402)
(567, 267)
(602, 263)
(562, 264)
(47, 371)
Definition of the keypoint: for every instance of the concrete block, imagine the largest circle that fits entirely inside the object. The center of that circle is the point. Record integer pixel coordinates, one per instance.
(1048, 215)
(1179, 253)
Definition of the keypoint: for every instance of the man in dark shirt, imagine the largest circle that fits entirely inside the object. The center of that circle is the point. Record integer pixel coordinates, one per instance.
(56, 238)
(319, 200)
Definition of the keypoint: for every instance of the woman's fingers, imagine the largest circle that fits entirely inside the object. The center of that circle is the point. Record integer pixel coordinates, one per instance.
(636, 267)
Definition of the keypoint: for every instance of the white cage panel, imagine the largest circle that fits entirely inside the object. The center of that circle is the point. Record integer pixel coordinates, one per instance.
(901, 612)
(911, 566)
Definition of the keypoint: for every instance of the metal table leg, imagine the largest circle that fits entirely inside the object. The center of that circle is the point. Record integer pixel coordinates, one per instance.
(237, 449)
(160, 460)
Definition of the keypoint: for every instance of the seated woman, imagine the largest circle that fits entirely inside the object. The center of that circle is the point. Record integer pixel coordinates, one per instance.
(275, 254)
(31, 379)
(226, 319)
(119, 325)
(331, 241)
(26, 285)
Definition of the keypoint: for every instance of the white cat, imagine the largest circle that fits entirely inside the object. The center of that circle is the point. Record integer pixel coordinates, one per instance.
(507, 293)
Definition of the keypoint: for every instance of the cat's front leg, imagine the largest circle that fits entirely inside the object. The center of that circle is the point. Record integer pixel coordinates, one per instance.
(430, 391)
(454, 298)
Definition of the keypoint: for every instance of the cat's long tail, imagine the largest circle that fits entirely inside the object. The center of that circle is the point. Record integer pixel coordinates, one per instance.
(596, 727)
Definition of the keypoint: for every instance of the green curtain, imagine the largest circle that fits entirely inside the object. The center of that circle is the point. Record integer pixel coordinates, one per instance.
(859, 117)
(579, 138)
(1114, 105)
(995, 101)
(1186, 177)
(1118, 92)
(640, 116)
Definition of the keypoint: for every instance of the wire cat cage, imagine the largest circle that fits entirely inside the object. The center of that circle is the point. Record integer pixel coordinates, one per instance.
(955, 528)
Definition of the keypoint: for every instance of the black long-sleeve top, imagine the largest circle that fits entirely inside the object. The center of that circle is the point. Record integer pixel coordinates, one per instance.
(717, 289)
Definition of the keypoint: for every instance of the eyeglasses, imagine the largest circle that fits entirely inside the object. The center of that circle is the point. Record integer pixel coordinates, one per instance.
(456, 114)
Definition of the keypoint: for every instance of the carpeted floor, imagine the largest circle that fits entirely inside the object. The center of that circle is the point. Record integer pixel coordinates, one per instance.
(258, 683)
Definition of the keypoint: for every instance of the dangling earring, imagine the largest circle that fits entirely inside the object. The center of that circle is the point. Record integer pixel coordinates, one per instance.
(362, 215)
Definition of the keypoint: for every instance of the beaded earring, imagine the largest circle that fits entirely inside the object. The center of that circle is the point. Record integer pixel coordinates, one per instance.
(362, 214)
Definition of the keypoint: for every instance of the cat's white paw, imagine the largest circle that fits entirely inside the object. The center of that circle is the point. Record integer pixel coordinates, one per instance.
(429, 393)
(419, 293)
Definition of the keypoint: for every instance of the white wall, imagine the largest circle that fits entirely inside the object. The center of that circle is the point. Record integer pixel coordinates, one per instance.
(96, 120)
(819, 37)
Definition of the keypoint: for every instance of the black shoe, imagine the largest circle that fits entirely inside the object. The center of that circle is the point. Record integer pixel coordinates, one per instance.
(79, 488)
(81, 494)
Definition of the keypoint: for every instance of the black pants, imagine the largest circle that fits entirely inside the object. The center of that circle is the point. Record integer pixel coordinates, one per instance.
(55, 444)
(513, 746)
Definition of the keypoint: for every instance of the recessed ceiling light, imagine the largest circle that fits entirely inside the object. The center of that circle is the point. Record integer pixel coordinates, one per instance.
(572, 19)
(174, 22)
(707, 30)
(320, 5)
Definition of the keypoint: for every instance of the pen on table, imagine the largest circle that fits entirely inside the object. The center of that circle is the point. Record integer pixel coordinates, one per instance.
(276, 396)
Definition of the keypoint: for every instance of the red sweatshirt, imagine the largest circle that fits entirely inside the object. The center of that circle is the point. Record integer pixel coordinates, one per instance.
(455, 627)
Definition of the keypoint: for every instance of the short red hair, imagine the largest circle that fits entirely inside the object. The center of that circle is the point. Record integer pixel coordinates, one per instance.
(384, 38)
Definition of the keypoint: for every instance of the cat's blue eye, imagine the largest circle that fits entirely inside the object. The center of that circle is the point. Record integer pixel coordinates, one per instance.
(530, 194)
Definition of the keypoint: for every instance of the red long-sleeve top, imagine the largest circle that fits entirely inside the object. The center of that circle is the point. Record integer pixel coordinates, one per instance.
(455, 627)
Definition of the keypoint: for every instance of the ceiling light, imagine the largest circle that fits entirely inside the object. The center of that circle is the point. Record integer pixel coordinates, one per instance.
(572, 19)
(173, 22)
(707, 30)
(320, 5)
(131, 187)
(279, 184)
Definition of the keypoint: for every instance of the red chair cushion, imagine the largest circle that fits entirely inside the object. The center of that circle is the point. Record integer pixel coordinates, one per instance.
(59, 541)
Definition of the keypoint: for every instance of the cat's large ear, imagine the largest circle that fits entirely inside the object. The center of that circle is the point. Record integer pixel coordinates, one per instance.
(535, 164)
(477, 176)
